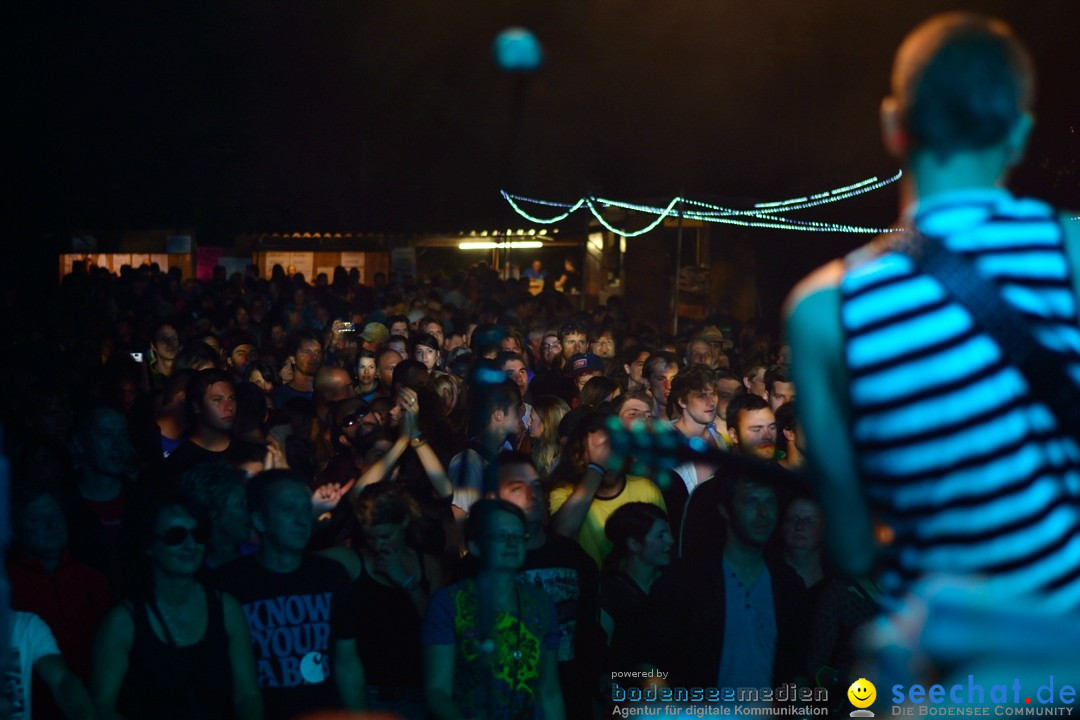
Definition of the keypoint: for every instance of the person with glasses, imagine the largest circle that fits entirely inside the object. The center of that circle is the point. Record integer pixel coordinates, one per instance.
(174, 648)
(551, 350)
(557, 349)
(505, 667)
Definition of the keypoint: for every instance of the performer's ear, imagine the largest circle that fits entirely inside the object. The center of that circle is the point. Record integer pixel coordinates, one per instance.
(893, 134)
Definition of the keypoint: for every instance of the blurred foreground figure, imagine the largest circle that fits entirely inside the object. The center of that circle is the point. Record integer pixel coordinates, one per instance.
(945, 437)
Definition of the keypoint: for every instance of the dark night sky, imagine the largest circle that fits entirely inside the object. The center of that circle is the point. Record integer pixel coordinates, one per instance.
(391, 116)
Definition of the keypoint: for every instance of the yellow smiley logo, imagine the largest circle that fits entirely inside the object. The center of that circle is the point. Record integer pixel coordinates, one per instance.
(862, 693)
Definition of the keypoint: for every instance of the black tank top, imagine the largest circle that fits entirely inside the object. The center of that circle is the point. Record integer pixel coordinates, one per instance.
(388, 631)
(165, 681)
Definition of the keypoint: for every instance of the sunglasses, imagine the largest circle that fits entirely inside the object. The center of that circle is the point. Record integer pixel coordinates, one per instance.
(177, 535)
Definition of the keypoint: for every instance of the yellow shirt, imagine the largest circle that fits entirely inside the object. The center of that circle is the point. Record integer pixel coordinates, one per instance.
(591, 536)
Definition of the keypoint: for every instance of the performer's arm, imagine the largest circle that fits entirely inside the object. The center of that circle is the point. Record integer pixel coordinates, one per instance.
(817, 343)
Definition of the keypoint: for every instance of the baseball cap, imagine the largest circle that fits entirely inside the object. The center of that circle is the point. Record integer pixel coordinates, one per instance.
(374, 332)
(584, 362)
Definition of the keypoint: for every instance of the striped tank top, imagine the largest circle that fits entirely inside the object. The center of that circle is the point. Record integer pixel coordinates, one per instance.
(968, 468)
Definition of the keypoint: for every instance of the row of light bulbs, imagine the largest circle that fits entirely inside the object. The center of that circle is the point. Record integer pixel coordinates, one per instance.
(763, 214)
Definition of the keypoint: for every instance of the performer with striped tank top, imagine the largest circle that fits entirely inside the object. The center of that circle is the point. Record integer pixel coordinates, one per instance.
(912, 408)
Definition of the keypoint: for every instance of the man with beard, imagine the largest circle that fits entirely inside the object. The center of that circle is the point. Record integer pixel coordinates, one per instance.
(733, 618)
(752, 429)
(240, 349)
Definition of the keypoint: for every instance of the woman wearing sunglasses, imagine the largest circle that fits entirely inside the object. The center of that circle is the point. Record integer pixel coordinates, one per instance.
(173, 648)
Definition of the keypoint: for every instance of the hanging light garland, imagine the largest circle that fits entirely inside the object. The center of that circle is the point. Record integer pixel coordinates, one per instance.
(763, 214)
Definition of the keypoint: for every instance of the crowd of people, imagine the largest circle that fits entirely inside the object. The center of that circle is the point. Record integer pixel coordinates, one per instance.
(261, 496)
(256, 497)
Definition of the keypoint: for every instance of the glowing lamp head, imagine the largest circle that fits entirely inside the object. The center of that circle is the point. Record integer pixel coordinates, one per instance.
(517, 50)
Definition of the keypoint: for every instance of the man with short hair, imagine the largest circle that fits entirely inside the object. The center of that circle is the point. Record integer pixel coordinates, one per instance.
(512, 341)
(496, 415)
(752, 433)
(699, 352)
(240, 349)
(728, 386)
(434, 328)
(211, 406)
(790, 438)
(559, 567)
(385, 362)
(752, 427)
(298, 606)
(574, 340)
(734, 618)
(634, 366)
(659, 370)
(513, 365)
(753, 379)
(455, 338)
(779, 388)
(398, 326)
(904, 397)
(164, 346)
(398, 343)
(714, 338)
(306, 355)
(634, 408)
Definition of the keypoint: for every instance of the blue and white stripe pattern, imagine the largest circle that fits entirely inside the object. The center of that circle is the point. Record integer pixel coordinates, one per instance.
(970, 470)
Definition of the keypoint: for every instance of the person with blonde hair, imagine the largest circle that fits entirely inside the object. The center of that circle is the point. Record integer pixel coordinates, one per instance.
(548, 412)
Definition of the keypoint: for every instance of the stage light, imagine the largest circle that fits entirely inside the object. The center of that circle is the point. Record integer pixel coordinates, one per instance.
(517, 50)
(516, 245)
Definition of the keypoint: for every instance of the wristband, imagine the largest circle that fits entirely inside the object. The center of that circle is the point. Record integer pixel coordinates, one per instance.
(597, 468)
(418, 441)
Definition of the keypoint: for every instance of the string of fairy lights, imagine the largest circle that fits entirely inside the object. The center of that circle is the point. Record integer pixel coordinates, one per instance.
(763, 214)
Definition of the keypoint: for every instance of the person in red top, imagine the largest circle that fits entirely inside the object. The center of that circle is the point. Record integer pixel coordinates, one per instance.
(97, 509)
(45, 580)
